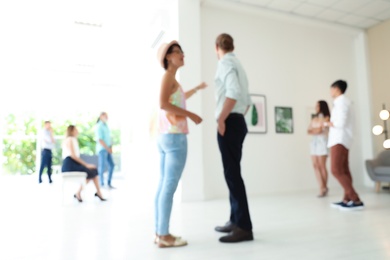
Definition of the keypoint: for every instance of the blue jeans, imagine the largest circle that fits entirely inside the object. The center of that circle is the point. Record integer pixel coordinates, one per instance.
(173, 152)
(105, 159)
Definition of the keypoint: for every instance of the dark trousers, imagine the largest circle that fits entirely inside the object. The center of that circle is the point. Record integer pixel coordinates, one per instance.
(230, 146)
(46, 161)
(340, 170)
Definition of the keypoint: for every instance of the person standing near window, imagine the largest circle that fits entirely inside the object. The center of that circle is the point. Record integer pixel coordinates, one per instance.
(104, 149)
(47, 144)
(172, 139)
(319, 145)
(340, 142)
(233, 101)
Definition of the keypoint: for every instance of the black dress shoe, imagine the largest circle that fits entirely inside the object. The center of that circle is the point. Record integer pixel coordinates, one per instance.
(78, 198)
(229, 226)
(101, 198)
(237, 235)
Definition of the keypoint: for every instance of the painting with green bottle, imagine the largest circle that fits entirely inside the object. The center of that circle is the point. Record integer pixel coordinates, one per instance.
(256, 117)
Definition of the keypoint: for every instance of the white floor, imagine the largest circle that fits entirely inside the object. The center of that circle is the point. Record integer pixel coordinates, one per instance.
(34, 224)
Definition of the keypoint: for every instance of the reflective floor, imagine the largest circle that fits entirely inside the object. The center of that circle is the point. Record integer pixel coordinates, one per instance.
(36, 224)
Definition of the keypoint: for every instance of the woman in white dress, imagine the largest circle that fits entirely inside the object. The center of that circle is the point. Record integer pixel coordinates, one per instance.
(318, 146)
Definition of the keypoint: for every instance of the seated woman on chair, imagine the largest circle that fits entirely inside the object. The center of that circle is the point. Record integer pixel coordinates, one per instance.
(73, 163)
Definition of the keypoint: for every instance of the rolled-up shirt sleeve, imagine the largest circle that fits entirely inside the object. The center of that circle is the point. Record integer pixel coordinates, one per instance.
(231, 81)
(233, 89)
(99, 133)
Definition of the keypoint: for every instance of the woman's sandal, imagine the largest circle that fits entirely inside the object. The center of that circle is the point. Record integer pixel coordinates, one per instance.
(156, 238)
(176, 243)
(324, 193)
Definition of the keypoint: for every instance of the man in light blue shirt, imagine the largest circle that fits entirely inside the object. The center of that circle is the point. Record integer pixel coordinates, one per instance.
(104, 149)
(233, 101)
(231, 82)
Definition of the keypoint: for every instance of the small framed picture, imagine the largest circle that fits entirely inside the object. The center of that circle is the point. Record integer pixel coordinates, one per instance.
(256, 117)
(284, 120)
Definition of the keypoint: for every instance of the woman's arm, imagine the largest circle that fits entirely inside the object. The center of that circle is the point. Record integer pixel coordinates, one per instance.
(105, 146)
(315, 130)
(191, 92)
(165, 93)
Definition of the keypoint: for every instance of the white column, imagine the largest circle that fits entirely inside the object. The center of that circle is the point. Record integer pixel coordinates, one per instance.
(38, 148)
(192, 188)
(364, 101)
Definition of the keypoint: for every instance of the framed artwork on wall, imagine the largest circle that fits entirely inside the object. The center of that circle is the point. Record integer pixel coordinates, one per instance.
(284, 120)
(256, 117)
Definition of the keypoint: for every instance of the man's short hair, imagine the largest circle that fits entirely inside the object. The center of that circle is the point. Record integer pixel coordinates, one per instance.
(340, 84)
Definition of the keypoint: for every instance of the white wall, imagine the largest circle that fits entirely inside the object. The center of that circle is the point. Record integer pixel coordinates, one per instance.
(379, 56)
(190, 75)
(293, 63)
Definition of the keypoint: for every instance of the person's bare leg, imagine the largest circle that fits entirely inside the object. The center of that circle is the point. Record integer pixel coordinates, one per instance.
(78, 193)
(323, 171)
(96, 182)
(317, 171)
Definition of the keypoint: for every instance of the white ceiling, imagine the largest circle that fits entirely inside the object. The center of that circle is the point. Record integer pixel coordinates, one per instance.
(354, 13)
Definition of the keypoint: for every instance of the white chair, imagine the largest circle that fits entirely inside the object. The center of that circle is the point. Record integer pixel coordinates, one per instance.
(72, 177)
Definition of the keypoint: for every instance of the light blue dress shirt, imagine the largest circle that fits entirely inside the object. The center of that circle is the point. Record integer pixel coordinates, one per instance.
(231, 82)
(102, 133)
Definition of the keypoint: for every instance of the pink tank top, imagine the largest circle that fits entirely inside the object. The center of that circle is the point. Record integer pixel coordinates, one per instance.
(171, 123)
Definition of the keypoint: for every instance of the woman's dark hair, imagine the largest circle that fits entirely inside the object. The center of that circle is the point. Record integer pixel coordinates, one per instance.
(225, 42)
(340, 84)
(324, 109)
(101, 114)
(70, 130)
(169, 51)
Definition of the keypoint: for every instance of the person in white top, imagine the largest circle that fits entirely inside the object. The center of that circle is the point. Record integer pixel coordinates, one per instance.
(340, 141)
(72, 162)
(47, 144)
(319, 145)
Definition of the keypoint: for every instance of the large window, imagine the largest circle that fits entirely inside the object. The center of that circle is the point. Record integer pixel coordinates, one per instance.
(21, 146)
(69, 62)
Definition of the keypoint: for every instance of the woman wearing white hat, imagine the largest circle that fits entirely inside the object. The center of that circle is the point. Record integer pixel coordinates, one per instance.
(172, 140)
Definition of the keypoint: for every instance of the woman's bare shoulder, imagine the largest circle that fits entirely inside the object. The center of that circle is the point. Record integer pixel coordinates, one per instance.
(168, 78)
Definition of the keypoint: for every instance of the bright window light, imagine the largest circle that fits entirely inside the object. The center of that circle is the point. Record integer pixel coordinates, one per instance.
(377, 130)
(386, 144)
(384, 114)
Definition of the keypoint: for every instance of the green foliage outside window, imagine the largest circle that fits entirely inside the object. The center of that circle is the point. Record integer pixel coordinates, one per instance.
(20, 142)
